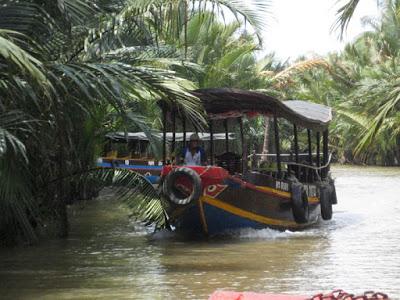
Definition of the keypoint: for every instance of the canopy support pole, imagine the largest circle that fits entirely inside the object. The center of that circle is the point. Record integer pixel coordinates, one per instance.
(226, 135)
(173, 135)
(210, 125)
(296, 150)
(277, 146)
(244, 147)
(310, 159)
(318, 150)
(325, 153)
(164, 112)
(309, 147)
(184, 130)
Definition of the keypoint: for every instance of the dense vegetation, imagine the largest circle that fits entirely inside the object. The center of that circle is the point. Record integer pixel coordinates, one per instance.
(361, 84)
(72, 70)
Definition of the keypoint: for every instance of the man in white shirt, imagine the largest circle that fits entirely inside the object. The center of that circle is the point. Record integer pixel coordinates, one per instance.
(194, 155)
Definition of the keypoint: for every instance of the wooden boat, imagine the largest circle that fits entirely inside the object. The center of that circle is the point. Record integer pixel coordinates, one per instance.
(241, 188)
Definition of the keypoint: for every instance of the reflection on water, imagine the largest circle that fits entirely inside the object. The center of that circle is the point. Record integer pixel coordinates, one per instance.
(107, 256)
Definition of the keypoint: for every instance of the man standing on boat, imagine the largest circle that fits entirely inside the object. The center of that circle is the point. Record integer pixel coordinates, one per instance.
(194, 155)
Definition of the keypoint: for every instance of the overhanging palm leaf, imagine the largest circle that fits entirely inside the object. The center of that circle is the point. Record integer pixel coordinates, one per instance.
(16, 204)
(142, 123)
(141, 197)
(12, 123)
(344, 15)
(254, 12)
(14, 57)
(167, 20)
(118, 82)
(356, 118)
(78, 11)
(26, 17)
(133, 190)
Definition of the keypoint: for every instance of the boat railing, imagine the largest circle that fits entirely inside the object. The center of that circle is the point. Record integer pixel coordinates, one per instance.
(303, 171)
(281, 155)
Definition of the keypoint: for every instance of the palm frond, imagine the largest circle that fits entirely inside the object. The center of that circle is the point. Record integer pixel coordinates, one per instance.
(143, 124)
(358, 119)
(78, 11)
(382, 115)
(26, 17)
(15, 57)
(13, 123)
(344, 15)
(16, 203)
(283, 77)
(254, 12)
(130, 188)
(118, 82)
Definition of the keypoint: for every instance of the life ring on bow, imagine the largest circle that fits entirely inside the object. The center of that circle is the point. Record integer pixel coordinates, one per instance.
(300, 208)
(182, 186)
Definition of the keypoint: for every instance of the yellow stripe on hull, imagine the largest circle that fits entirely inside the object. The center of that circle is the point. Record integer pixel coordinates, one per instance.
(273, 191)
(246, 214)
(312, 200)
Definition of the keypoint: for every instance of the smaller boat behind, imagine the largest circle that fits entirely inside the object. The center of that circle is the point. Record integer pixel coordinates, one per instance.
(133, 150)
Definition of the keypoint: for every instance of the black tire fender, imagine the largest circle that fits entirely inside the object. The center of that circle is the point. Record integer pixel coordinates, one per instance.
(325, 195)
(333, 197)
(300, 208)
(173, 195)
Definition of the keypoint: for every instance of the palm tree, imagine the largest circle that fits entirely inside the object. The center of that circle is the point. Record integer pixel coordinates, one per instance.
(361, 84)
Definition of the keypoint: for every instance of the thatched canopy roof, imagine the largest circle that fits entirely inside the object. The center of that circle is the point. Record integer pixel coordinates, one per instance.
(222, 103)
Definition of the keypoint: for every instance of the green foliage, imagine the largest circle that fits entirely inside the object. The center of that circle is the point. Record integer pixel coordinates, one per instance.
(361, 83)
(72, 70)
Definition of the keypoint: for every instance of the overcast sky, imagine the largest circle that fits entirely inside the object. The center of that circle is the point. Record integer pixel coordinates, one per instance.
(297, 27)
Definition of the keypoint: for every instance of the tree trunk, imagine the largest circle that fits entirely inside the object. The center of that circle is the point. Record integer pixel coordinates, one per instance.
(61, 205)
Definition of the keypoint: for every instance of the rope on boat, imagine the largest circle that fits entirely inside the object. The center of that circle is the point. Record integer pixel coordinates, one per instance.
(342, 295)
(311, 167)
(299, 164)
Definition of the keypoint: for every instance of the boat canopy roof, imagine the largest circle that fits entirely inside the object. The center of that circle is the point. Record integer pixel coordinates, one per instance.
(222, 103)
(141, 136)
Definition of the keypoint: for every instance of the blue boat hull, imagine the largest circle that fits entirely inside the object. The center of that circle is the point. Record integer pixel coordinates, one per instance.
(206, 219)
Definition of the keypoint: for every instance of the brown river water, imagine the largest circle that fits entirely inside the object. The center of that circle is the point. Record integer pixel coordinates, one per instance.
(108, 256)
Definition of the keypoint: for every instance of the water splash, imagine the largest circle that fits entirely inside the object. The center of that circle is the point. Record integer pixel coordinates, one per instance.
(268, 234)
(163, 234)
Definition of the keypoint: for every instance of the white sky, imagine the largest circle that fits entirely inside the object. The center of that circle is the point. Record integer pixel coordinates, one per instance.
(297, 27)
